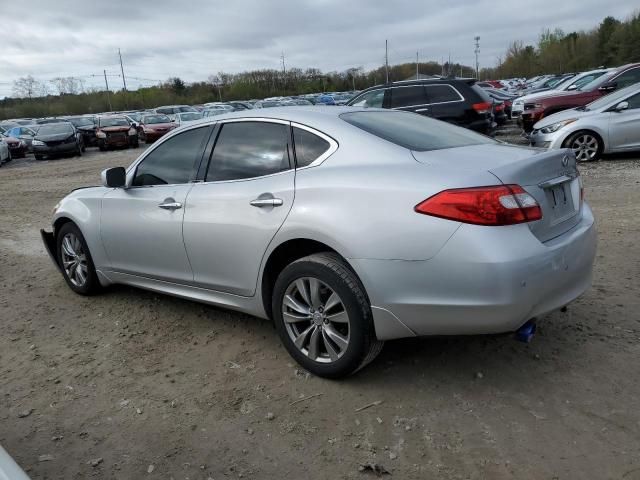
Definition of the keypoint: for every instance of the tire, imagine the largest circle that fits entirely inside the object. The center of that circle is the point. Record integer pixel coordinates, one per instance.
(81, 276)
(586, 146)
(38, 157)
(79, 151)
(135, 144)
(142, 137)
(102, 146)
(344, 334)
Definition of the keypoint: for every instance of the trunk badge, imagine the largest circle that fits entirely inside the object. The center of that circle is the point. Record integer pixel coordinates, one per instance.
(565, 161)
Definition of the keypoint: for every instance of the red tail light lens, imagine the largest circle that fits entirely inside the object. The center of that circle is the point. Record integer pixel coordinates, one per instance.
(493, 206)
(482, 107)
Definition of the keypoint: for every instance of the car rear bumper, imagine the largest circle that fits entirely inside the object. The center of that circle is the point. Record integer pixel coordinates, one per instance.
(484, 280)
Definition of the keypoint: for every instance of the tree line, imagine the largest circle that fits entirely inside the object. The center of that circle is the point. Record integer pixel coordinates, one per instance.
(612, 43)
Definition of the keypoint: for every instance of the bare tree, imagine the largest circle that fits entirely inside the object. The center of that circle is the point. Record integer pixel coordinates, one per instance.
(68, 85)
(29, 87)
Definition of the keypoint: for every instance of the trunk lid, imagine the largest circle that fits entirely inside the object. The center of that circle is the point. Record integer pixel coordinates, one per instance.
(551, 177)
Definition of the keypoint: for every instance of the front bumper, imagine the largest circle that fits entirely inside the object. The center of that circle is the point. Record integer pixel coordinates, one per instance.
(18, 150)
(484, 280)
(550, 141)
(49, 241)
(61, 149)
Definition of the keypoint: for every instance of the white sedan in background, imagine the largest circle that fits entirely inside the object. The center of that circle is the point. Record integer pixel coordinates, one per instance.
(609, 124)
(187, 118)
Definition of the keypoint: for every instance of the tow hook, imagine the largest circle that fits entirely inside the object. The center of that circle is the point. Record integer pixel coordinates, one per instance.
(526, 332)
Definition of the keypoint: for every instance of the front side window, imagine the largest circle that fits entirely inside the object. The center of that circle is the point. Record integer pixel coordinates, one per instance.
(408, 96)
(634, 101)
(442, 94)
(173, 161)
(248, 150)
(371, 99)
(308, 146)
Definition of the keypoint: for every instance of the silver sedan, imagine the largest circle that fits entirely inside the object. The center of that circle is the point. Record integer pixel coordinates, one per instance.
(346, 227)
(610, 124)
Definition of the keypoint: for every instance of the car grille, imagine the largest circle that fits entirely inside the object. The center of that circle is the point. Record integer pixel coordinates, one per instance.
(54, 143)
(117, 136)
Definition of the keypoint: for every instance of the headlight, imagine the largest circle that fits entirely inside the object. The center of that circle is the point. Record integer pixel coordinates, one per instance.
(37, 143)
(101, 135)
(55, 208)
(23, 143)
(132, 131)
(554, 127)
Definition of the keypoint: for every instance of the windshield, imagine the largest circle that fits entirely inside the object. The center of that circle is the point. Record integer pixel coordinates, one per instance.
(135, 116)
(413, 131)
(55, 128)
(189, 116)
(82, 121)
(613, 98)
(150, 119)
(114, 122)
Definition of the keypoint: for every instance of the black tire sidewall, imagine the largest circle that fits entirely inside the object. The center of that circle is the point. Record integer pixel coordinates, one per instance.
(572, 138)
(92, 284)
(360, 319)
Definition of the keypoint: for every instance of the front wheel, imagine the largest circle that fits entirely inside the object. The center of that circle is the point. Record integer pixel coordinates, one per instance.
(75, 260)
(586, 146)
(323, 316)
(38, 157)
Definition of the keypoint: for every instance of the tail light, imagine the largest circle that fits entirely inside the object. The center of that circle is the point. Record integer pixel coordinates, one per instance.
(493, 206)
(482, 107)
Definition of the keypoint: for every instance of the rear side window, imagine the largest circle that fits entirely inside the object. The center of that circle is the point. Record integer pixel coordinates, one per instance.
(628, 78)
(408, 96)
(165, 111)
(248, 150)
(413, 131)
(308, 146)
(442, 94)
(173, 161)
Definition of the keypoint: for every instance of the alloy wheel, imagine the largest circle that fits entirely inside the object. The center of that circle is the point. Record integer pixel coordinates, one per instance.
(74, 260)
(585, 147)
(316, 320)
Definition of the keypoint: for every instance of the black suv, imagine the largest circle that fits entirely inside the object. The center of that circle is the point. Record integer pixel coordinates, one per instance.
(457, 101)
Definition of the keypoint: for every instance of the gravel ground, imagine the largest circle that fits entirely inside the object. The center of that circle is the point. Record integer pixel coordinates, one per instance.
(131, 384)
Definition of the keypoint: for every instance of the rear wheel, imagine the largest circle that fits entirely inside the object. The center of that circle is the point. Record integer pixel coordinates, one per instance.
(38, 157)
(586, 146)
(75, 260)
(323, 316)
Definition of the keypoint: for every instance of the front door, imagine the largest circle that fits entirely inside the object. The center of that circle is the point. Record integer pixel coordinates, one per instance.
(624, 126)
(246, 195)
(141, 226)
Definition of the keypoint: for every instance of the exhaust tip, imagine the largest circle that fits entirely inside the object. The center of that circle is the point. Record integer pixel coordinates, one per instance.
(526, 332)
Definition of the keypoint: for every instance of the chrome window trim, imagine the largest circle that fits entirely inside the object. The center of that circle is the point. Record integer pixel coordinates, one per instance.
(333, 145)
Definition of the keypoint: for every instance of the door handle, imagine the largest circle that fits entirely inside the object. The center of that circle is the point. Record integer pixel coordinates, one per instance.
(170, 205)
(266, 202)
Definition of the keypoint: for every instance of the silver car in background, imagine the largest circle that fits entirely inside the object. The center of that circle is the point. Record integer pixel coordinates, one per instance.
(609, 124)
(345, 226)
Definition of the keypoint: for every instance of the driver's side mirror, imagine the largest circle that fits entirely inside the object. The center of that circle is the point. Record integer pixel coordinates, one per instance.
(115, 177)
(621, 106)
(571, 87)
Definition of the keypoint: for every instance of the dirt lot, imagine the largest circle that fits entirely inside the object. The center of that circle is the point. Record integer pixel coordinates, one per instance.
(131, 384)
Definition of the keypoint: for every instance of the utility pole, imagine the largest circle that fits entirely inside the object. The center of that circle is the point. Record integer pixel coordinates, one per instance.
(106, 84)
(284, 76)
(417, 72)
(386, 58)
(124, 81)
(477, 51)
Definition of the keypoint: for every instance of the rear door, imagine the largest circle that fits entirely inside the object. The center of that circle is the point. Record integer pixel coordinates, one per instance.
(247, 193)
(447, 103)
(624, 126)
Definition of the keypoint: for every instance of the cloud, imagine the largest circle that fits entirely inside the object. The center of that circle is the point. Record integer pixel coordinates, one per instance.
(193, 39)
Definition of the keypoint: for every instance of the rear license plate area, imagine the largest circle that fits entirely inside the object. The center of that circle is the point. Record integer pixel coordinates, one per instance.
(561, 201)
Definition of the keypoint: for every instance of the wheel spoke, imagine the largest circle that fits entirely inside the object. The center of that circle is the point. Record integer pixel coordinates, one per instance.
(333, 354)
(314, 287)
(293, 304)
(337, 338)
(67, 247)
(302, 287)
(291, 318)
(332, 301)
(80, 274)
(314, 343)
(302, 338)
(340, 317)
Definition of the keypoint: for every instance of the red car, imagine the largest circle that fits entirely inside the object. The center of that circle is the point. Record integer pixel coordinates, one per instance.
(115, 131)
(17, 147)
(154, 126)
(563, 100)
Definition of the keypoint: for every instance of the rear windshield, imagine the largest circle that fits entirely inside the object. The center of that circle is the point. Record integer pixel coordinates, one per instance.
(413, 131)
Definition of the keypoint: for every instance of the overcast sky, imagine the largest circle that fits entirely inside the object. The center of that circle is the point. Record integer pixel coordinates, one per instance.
(193, 39)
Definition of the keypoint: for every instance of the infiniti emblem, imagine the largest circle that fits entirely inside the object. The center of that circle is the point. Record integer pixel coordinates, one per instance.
(565, 161)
